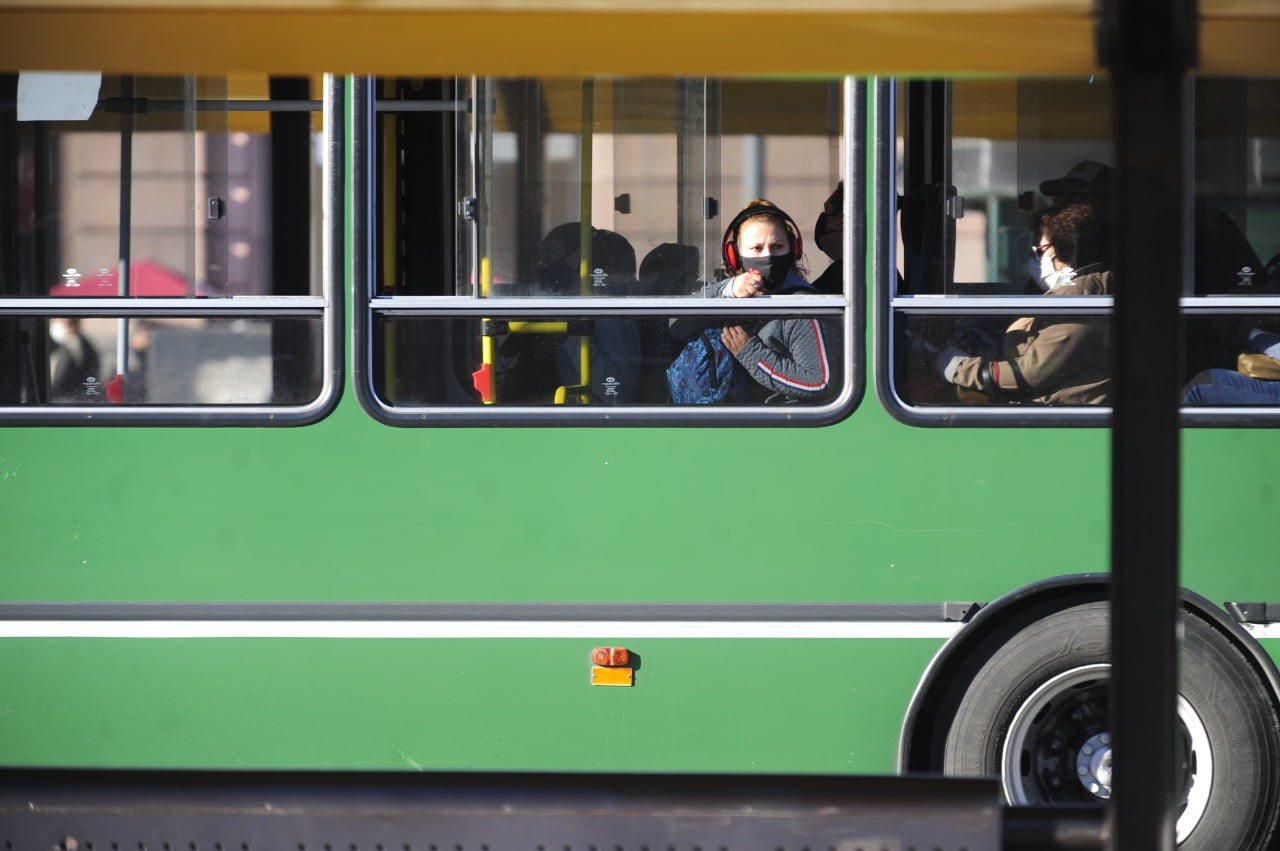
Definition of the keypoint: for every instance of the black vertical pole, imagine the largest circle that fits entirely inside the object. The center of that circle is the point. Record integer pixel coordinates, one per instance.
(293, 344)
(1148, 46)
(124, 268)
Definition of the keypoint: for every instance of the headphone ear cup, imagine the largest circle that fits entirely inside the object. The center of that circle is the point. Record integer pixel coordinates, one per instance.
(797, 241)
(730, 256)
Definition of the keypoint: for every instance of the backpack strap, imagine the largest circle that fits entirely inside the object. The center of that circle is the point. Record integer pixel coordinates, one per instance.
(712, 372)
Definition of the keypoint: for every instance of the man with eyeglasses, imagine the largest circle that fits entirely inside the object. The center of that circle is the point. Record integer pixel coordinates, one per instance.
(1062, 360)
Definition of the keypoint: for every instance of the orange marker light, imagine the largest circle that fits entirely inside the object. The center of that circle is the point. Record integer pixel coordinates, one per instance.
(612, 657)
(612, 676)
(611, 666)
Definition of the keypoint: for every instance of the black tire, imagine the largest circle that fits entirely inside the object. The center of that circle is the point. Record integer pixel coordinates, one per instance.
(1046, 693)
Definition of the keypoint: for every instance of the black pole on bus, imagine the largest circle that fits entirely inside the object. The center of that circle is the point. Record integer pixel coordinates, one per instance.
(1148, 46)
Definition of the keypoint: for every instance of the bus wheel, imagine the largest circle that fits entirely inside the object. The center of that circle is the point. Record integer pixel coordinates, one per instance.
(1037, 713)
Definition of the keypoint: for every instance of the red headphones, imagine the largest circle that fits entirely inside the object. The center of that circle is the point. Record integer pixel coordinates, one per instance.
(729, 248)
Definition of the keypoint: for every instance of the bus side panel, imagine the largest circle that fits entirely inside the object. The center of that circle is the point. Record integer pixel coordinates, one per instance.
(449, 704)
(349, 510)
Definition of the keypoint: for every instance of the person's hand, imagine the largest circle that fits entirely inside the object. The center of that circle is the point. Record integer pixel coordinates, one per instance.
(747, 285)
(970, 338)
(948, 362)
(1265, 342)
(734, 337)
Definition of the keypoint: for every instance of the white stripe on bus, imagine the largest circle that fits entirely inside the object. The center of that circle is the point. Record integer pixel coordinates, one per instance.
(1263, 630)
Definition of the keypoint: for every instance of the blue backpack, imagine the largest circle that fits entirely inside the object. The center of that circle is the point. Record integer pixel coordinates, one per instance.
(706, 373)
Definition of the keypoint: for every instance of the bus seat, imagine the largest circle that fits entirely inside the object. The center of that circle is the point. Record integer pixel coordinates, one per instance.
(588, 361)
(1225, 262)
(669, 269)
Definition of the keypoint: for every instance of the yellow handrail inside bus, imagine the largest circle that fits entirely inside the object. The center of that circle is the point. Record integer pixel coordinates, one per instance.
(538, 327)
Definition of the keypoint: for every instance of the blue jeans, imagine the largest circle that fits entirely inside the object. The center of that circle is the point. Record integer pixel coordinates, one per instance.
(1227, 387)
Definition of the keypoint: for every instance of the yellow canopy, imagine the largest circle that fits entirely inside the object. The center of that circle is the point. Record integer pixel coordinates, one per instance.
(589, 37)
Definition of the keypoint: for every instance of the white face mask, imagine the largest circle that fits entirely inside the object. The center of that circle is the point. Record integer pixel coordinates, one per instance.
(1051, 277)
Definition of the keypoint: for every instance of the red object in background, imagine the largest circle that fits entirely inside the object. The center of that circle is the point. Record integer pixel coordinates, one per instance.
(482, 379)
(145, 279)
(115, 390)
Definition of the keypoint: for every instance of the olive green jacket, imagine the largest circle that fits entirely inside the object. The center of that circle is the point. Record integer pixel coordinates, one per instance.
(1056, 360)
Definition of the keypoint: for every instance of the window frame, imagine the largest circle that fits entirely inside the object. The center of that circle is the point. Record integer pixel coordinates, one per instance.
(328, 307)
(889, 307)
(370, 308)
(1223, 416)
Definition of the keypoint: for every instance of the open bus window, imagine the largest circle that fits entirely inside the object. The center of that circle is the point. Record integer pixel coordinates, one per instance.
(537, 239)
(166, 265)
(969, 281)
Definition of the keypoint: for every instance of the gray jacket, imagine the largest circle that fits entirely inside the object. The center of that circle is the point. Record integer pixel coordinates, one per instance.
(791, 358)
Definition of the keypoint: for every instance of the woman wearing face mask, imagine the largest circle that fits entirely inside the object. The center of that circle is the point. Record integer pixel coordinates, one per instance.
(788, 358)
(1061, 360)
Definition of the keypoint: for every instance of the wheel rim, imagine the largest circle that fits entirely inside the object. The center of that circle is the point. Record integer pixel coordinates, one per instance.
(1058, 748)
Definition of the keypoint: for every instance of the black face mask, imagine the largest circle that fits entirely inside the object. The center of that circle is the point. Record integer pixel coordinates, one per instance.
(773, 269)
(827, 233)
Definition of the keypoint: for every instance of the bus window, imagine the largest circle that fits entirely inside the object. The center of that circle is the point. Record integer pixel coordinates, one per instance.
(538, 244)
(166, 266)
(990, 171)
(982, 166)
(1232, 301)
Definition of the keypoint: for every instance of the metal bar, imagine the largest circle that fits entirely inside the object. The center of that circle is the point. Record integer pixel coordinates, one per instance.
(126, 227)
(1145, 458)
(143, 105)
(999, 305)
(594, 306)
(1149, 45)
(269, 306)
(515, 812)
(1237, 305)
(421, 106)
(1038, 305)
(335, 120)
(619, 612)
(1061, 827)
(360, 139)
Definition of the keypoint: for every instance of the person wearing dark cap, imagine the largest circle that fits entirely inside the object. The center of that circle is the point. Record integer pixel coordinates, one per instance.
(1224, 261)
(1087, 181)
(1052, 360)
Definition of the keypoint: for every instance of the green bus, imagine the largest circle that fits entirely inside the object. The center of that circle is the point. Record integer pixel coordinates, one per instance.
(338, 429)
